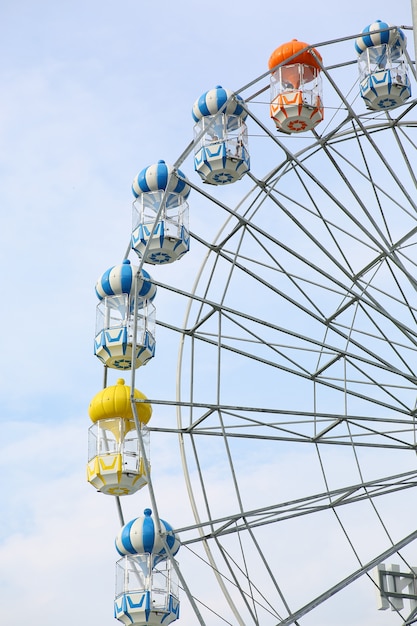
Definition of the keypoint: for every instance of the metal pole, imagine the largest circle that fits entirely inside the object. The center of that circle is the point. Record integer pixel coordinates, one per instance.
(414, 18)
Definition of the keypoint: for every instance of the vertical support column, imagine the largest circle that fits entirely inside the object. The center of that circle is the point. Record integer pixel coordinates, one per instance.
(414, 18)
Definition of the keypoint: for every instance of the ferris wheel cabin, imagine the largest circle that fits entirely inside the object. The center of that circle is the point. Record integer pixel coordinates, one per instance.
(114, 341)
(383, 67)
(146, 581)
(296, 87)
(115, 465)
(160, 232)
(221, 153)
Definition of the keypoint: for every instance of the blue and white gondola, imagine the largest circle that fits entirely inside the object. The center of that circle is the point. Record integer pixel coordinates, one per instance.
(160, 231)
(145, 579)
(115, 326)
(383, 67)
(221, 153)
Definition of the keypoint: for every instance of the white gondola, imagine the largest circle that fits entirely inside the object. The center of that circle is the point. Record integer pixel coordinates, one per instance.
(115, 325)
(383, 67)
(221, 153)
(160, 232)
(146, 582)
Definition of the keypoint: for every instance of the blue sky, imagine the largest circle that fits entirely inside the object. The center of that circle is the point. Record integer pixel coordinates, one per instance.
(92, 92)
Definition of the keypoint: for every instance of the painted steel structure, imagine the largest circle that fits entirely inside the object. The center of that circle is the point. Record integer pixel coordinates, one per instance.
(297, 350)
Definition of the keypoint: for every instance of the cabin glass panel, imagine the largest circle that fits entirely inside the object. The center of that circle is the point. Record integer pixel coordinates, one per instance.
(219, 128)
(109, 436)
(159, 589)
(133, 573)
(115, 312)
(174, 212)
(104, 437)
(131, 450)
(297, 78)
(380, 58)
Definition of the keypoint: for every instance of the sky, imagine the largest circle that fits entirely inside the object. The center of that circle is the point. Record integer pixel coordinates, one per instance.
(92, 92)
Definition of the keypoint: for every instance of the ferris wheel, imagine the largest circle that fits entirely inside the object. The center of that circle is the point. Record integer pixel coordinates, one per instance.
(297, 369)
